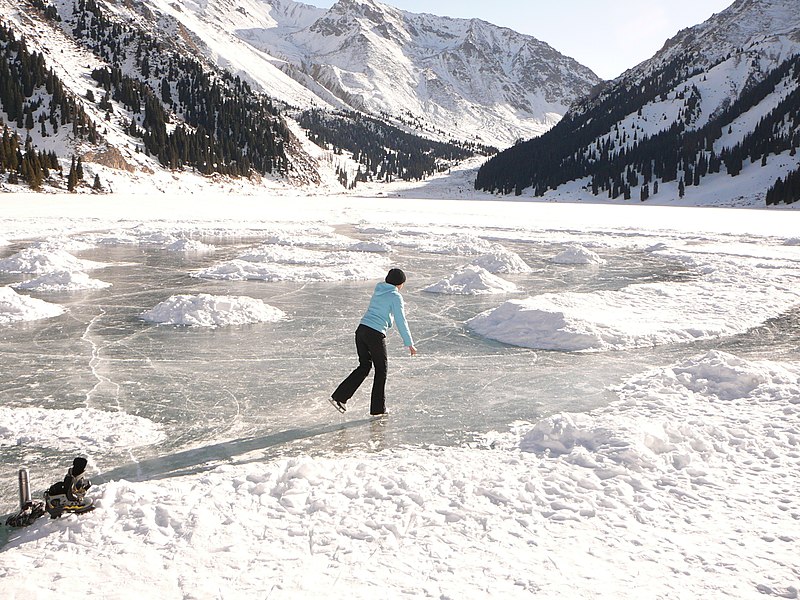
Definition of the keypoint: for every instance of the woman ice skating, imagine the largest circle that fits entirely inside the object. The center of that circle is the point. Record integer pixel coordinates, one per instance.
(385, 308)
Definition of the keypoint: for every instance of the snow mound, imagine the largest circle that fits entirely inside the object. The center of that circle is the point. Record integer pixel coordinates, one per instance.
(309, 236)
(84, 430)
(642, 315)
(472, 280)
(577, 255)
(371, 247)
(62, 281)
(453, 244)
(282, 263)
(696, 423)
(15, 307)
(562, 433)
(205, 310)
(64, 242)
(502, 260)
(190, 246)
(40, 260)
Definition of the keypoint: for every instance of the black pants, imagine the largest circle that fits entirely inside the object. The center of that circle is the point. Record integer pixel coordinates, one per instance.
(371, 348)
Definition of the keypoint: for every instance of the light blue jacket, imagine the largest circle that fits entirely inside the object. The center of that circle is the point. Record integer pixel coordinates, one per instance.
(386, 308)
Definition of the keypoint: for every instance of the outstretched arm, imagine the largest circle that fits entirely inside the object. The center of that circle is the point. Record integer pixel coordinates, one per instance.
(402, 325)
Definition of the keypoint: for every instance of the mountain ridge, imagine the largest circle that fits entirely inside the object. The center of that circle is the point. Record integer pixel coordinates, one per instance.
(714, 95)
(451, 78)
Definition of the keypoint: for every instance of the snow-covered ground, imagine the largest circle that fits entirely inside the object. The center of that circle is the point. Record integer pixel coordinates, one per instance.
(680, 482)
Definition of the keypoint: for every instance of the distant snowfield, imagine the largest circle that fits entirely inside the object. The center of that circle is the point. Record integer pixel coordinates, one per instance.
(685, 487)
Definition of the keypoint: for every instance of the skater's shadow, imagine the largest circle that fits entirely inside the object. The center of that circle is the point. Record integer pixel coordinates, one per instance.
(206, 458)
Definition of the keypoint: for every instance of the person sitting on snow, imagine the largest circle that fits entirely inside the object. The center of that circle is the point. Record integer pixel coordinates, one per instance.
(68, 494)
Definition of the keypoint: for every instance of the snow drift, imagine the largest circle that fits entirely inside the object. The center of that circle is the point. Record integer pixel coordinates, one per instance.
(15, 307)
(675, 476)
(472, 280)
(62, 281)
(39, 260)
(205, 310)
(80, 430)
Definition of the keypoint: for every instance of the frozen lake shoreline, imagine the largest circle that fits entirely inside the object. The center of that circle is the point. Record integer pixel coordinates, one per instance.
(586, 461)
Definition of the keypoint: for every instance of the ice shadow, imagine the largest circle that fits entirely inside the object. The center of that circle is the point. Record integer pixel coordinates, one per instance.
(207, 458)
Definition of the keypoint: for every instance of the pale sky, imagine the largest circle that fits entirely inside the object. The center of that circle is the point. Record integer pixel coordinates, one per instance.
(608, 36)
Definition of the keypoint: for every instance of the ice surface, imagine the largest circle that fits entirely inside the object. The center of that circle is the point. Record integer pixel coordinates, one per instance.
(284, 263)
(695, 489)
(650, 469)
(185, 245)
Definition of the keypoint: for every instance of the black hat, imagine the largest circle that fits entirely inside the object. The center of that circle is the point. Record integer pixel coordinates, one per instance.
(78, 465)
(396, 277)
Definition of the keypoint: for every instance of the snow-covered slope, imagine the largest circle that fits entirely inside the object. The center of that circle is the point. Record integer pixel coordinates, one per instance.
(450, 78)
(719, 92)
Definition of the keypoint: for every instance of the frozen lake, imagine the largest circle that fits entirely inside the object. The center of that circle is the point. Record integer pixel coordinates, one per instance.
(616, 415)
(219, 392)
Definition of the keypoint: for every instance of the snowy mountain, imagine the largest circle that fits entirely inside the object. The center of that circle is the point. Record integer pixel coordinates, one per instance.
(82, 80)
(715, 112)
(276, 91)
(446, 78)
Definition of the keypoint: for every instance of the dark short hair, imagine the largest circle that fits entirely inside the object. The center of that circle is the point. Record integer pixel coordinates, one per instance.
(396, 277)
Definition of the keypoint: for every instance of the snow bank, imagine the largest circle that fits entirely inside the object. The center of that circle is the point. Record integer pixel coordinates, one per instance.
(67, 243)
(370, 247)
(190, 246)
(62, 281)
(83, 430)
(15, 307)
(425, 240)
(304, 235)
(205, 310)
(472, 280)
(577, 255)
(502, 260)
(39, 260)
(643, 315)
(280, 263)
(691, 476)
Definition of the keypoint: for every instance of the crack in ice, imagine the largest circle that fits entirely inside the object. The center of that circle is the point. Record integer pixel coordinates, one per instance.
(94, 361)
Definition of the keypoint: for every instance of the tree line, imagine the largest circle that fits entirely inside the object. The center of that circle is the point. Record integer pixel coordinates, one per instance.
(185, 113)
(383, 152)
(33, 97)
